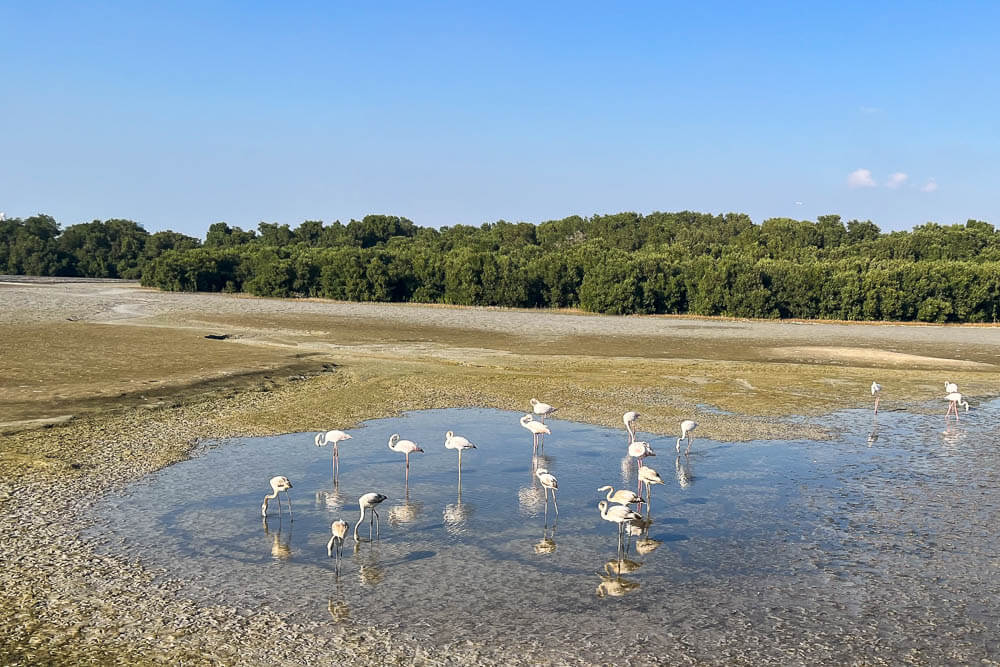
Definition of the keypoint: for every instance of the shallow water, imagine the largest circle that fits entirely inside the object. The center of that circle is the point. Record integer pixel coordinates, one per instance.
(875, 546)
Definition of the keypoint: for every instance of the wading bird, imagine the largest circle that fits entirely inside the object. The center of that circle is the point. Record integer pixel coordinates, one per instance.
(537, 429)
(404, 447)
(639, 450)
(950, 388)
(365, 502)
(549, 483)
(955, 399)
(621, 496)
(648, 476)
(619, 514)
(452, 441)
(630, 418)
(339, 530)
(543, 410)
(332, 437)
(279, 483)
(686, 427)
(876, 388)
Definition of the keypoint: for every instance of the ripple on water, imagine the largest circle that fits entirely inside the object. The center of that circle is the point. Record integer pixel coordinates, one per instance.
(876, 545)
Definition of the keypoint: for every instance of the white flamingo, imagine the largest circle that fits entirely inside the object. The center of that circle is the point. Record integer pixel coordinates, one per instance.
(619, 514)
(452, 441)
(279, 483)
(686, 427)
(639, 450)
(955, 399)
(950, 388)
(648, 476)
(332, 437)
(339, 530)
(543, 410)
(365, 502)
(621, 496)
(404, 447)
(876, 388)
(549, 483)
(630, 418)
(537, 429)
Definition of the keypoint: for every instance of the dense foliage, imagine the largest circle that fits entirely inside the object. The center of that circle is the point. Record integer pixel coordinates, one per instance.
(625, 263)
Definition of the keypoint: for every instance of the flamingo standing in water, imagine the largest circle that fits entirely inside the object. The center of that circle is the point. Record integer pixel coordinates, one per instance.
(549, 483)
(332, 437)
(955, 399)
(686, 427)
(543, 410)
(452, 441)
(365, 502)
(279, 483)
(648, 476)
(876, 388)
(630, 418)
(339, 530)
(404, 447)
(619, 514)
(621, 496)
(639, 450)
(537, 429)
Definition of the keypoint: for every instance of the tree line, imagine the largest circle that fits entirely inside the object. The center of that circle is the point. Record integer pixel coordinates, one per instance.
(683, 262)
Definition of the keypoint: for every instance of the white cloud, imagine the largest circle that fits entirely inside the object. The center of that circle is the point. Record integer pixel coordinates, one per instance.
(896, 180)
(860, 178)
(930, 186)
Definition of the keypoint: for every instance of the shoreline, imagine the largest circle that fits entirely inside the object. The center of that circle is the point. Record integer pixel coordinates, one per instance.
(65, 604)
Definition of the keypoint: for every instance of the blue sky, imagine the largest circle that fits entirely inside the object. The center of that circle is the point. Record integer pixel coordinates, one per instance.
(179, 115)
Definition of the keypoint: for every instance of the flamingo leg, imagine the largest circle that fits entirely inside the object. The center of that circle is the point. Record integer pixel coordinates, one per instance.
(289, 499)
(554, 503)
(377, 533)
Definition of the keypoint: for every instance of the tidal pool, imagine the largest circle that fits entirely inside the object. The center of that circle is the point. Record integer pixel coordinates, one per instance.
(880, 545)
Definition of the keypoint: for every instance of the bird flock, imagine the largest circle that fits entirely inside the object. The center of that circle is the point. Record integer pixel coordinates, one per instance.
(616, 507)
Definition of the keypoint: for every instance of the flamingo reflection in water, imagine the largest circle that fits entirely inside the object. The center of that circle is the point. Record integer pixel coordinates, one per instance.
(338, 607)
(685, 477)
(406, 512)
(332, 499)
(620, 567)
(873, 434)
(615, 586)
(281, 545)
(547, 544)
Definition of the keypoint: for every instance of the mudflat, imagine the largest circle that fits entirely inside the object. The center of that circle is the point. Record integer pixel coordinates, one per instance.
(102, 382)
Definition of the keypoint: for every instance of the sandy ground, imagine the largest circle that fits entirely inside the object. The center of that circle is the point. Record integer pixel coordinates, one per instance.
(102, 382)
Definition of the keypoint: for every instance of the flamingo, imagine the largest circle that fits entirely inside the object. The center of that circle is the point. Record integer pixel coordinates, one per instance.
(543, 410)
(621, 496)
(404, 447)
(452, 441)
(279, 483)
(549, 483)
(955, 399)
(537, 428)
(686, 427)
(323, 439)
(619, 514)
(648, 476)
(368, 501)
(639, 450)
(876, 388)
(950, 388)
(339, 530)
(630, 418)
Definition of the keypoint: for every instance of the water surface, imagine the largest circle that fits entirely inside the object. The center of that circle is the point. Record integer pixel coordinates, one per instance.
(880, 544)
